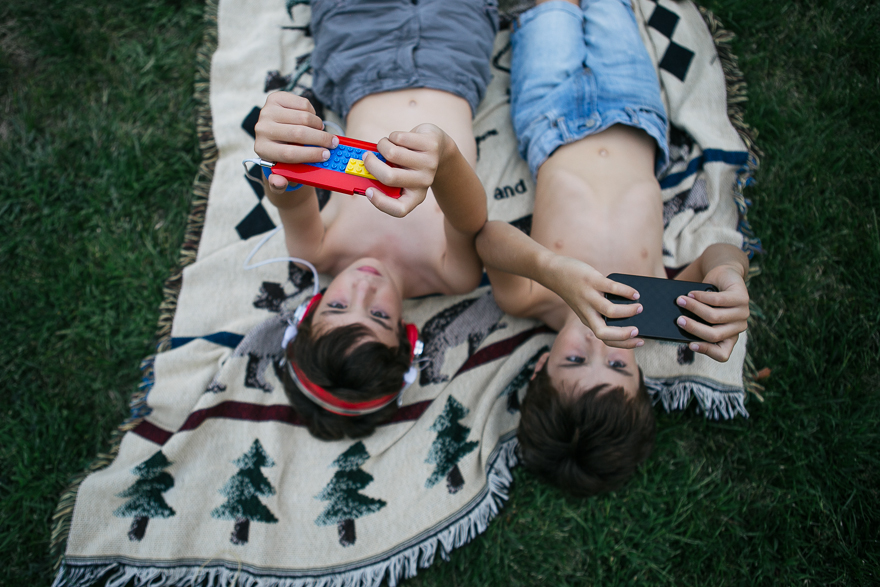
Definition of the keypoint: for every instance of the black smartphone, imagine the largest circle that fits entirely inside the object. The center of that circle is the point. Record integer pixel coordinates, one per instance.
(659, 313)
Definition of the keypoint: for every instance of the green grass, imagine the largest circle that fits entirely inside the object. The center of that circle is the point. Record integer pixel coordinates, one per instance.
(97, 155)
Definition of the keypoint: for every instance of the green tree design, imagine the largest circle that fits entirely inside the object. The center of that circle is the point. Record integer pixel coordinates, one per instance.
(346, 504)
(242, 493)
(450, 446)
(146, 495)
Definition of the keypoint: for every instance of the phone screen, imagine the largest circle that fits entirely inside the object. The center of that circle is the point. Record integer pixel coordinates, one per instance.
(660, 311)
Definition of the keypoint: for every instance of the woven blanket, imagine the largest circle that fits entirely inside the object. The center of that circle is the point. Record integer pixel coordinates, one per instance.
(214, 479)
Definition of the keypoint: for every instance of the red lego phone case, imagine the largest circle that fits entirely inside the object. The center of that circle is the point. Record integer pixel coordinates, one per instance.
(343, 172)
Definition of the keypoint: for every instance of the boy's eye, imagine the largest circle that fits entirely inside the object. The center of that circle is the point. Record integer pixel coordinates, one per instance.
(336, 305)
(380, 314)
(575, 359)
(617, 364)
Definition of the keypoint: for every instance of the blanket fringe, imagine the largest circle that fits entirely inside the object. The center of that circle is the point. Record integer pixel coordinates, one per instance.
(63, 515)
(676, 393)
(403, 565)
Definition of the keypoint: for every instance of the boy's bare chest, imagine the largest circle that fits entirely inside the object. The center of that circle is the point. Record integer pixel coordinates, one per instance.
(355, 229)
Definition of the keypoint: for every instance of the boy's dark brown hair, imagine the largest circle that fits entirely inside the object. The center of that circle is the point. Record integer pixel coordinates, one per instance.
(586, 443)
(352, 370)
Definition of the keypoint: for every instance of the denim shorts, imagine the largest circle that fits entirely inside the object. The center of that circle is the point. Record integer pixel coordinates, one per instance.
(577, 71)
(364, 47)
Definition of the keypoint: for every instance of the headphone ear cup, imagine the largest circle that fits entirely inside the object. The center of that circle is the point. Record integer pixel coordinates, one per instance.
(412, 334)
(310, 305)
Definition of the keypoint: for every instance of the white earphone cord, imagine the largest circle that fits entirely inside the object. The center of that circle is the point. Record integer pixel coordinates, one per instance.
(316, 286)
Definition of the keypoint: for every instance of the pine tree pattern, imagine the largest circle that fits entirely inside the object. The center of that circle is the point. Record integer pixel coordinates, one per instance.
(242, 493)
(146, 495)
(346, 503)
(450, 446)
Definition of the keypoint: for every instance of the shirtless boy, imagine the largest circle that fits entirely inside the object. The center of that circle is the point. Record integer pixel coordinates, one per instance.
(589, 119)
(384, 74)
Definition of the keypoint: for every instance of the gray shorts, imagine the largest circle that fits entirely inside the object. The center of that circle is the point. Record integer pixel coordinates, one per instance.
(364, 47)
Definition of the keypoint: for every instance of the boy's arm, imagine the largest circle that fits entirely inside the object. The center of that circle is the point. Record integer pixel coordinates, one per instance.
(429, 158)
(727, 310)
(287, 123)
(504, 248)
(300, 217)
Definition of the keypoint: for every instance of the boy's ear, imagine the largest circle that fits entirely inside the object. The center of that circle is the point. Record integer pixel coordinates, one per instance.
(542, 361)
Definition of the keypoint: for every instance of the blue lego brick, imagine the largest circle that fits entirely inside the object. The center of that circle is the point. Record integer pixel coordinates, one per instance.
(339, 158)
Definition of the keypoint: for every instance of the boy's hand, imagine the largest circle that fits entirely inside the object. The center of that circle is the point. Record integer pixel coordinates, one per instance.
(583, 289)
(287, 123)
(726, 310)
(418, 154)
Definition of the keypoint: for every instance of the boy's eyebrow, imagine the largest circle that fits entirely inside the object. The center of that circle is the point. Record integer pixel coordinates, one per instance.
(373, 318)
(576, 365)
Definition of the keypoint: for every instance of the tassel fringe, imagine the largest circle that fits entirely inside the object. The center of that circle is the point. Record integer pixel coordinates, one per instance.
(676, 393)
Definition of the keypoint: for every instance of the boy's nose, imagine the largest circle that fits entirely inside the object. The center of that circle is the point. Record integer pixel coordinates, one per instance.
(362, 290)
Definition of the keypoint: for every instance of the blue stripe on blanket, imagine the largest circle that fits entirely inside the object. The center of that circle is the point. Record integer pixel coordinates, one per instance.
(229, 339)
(708, 156)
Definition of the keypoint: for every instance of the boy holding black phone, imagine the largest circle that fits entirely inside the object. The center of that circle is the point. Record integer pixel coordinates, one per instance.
(586, 107)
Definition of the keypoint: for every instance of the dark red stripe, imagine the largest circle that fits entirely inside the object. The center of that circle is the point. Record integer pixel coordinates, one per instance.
(502, 348)
(152, 432)
(232, 410)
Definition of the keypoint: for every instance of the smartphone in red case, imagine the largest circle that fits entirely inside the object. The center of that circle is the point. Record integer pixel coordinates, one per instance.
(343, 172)
(660, 311)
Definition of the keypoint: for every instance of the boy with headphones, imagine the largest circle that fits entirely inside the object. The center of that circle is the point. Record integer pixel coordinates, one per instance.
(351, 356)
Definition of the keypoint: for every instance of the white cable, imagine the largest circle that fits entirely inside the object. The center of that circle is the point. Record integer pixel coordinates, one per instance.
(316, 286)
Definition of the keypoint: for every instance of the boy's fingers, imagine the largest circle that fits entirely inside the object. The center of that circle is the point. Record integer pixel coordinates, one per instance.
(415, 141)
(404, 157)
(713, 314)
(395, 176)
(619, 289)
(397, 207)
(286, 116)
(726, 299)
(711, 334)
(609, 334)
(288, 100)
(720, 352)
(277, 183)
(283, 153)
(612, 310)
(296, 134)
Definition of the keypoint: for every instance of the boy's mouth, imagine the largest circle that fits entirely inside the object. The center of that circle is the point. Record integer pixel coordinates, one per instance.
(368, 269)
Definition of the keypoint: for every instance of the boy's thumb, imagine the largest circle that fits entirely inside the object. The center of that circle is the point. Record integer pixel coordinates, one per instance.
(277, 183)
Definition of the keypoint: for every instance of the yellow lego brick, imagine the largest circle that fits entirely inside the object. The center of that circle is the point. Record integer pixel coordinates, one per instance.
(356, 167)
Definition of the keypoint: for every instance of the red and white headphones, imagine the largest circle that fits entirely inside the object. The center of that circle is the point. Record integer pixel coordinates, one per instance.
(316, 393)
(327, 400)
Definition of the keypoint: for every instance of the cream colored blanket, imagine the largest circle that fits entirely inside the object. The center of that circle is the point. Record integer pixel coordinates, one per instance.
(219, 483)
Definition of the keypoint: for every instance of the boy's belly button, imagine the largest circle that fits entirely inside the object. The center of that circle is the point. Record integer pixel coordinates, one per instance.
(558, 244)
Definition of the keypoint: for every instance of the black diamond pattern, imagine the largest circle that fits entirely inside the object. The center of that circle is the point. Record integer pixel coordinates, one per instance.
(664, 20)
(676, 60)
(256, 222)
(250, 122)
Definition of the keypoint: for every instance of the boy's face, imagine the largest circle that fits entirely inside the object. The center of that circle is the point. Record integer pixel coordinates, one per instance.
(362, 294)
(579, 361)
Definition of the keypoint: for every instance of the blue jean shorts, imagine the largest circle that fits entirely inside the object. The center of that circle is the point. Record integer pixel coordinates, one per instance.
(577, 71)
(364, 47)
